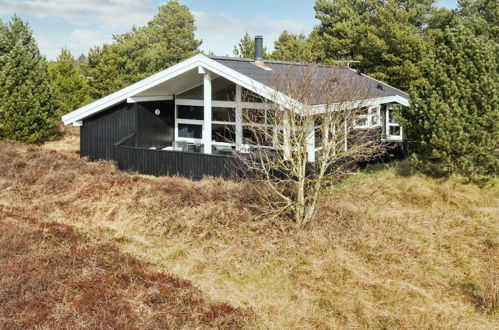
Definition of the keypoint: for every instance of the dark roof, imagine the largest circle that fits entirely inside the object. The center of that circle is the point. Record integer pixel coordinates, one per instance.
(246, 67)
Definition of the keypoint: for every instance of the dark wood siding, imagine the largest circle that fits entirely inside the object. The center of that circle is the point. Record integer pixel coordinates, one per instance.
(155, 130)
(186, 164)
(100, 132)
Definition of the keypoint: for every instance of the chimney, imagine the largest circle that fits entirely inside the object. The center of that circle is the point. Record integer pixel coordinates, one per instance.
(259, 50)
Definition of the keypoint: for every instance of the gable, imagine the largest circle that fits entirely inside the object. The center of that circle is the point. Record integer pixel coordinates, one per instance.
(184, 76)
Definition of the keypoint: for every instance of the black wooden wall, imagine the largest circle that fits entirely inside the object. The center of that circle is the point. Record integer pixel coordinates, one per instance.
(155, 130)
(100, 132)
(186, 164)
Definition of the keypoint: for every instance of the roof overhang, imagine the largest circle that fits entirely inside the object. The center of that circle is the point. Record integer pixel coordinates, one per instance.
(134, 91)
(321, 108)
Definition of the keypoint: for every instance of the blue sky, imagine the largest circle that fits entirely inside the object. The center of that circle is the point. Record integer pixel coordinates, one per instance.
(81, 24)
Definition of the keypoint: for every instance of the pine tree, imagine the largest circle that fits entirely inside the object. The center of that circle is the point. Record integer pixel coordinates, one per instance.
(70, 85)
(293, 48)
(482, 16)
(166, 40)
(28, 109)
(387, 37)
(246, 47)
(103, 70)
(454, 118)
(171, 37)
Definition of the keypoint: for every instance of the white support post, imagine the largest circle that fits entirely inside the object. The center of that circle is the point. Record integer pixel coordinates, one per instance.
(239, 117)
(387, 121)
(207, 112)
(286, 134)
(311, 140)
(346, 136)
(335, 139)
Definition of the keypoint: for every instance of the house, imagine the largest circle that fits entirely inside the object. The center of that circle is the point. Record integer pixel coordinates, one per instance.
(172, 121)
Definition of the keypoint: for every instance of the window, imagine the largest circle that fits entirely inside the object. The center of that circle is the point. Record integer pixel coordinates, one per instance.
(190, 112)
(367, 118)
(223, 133)
(190, 131)
(393, 130)
(249, 96)
(362, 122)
(258, 136)
(254, 116)
(224, 114)
(376, 119)
(223, 90)
(391, 116)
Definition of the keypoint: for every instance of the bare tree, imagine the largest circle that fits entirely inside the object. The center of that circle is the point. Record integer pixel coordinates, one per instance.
(308, 137)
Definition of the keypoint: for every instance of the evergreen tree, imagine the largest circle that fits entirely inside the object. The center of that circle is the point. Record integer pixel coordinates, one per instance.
(171, 37)
(454, 117)
(166, 40)
(386, 36)
(482, 16)
(28, 109)
(246, 47)
(293, 48)
(71, 86)
(103, 71)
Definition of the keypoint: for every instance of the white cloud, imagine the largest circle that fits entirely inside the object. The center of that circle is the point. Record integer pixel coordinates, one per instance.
(93, 16)
(47, 47)
(85, 21)
(221, 32)
(110, 13)
(83, 40)
(78, 42)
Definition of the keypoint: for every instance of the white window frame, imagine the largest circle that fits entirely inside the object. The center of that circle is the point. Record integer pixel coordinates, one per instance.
(399, 137)
(216, 104)
(275, 129)
(372, 112)
(199, 122)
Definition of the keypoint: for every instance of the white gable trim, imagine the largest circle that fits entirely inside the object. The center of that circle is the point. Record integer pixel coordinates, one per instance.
(135, 99)
(131, 90)
(200, 61)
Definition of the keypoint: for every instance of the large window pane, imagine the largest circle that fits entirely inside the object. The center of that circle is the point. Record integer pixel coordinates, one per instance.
(223, 133)
(196, 93)
(190, 112)
(394, 130)
(249, 96)
(257, 136)
(254, 116)
(361, 121)
(223, 90)
(224, 114)
(190, 131)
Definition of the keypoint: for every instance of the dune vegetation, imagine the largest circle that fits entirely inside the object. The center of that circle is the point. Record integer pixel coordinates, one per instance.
(389, 248)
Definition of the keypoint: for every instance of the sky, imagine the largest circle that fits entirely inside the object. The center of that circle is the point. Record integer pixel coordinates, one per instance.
(82, 24)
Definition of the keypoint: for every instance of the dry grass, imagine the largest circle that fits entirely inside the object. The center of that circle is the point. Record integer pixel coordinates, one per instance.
(385, 252)
(52, 277)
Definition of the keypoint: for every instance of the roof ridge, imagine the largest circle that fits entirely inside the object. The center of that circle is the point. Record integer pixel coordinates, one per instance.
(244, 59)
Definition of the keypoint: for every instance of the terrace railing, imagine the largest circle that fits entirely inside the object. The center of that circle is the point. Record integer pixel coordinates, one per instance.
(167, 162)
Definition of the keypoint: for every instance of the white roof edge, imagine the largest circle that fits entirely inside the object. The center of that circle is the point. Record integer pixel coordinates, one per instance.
(366, 102)
(123, 94)
(167, 74)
